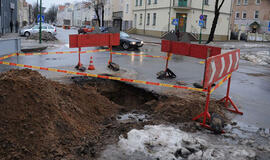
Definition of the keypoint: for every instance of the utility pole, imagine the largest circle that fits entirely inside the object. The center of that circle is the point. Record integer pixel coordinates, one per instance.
(169, 23)
(200, 40)
(40, 19)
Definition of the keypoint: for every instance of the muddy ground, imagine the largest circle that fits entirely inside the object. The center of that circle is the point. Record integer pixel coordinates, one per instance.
(43, 119)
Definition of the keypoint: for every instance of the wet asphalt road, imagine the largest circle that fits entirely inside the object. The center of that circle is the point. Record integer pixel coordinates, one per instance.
(250, 88)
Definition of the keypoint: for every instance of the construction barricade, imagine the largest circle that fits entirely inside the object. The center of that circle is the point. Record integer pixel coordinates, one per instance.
(218, 67)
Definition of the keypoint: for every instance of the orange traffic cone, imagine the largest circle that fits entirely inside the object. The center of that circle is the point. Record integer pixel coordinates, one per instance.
(91, 66)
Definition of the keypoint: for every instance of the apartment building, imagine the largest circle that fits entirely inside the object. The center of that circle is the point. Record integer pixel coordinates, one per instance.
(65, 12)
(250, 16)
(83, 14)
(118, 13)
(155, 17)
(24, 13)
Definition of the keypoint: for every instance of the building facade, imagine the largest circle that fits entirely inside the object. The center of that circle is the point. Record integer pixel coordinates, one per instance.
(65, 12)
(24, 15)
(118, 13)
(250, 16)
(8, 16)
(155, 17)
(83, 14)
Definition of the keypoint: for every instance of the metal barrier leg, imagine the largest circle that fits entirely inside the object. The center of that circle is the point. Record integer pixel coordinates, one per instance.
(205, 114)
(228, 99)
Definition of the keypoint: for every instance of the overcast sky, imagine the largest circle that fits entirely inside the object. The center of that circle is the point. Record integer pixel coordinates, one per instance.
(48, 3)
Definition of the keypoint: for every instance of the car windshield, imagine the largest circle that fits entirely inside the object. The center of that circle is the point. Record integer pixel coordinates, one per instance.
(123, 34)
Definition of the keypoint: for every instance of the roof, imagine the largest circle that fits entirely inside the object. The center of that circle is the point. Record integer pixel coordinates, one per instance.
(61, 8)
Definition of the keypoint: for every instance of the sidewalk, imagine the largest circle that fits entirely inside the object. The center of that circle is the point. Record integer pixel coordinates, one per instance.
(147, 39)
(26, 45)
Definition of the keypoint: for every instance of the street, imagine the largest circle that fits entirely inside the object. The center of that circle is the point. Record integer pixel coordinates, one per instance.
(247, 135)
(250, 87)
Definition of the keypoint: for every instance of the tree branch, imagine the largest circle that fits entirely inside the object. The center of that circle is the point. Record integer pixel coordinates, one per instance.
(221, 4)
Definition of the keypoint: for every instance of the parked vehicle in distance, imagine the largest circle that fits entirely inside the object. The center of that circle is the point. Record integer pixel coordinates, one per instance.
(66, 24)
(85, 29)
(35, 29)
(126, 41)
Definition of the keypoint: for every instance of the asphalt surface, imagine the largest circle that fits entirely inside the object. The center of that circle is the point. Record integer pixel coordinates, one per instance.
(250, 87)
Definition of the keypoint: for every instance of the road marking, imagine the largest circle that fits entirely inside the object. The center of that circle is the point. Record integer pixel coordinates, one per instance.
(223, 66)
(230, 66)
(237, 60)
(213, 66)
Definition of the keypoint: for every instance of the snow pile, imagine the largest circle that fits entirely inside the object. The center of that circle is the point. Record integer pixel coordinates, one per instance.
(167, 143)
(261, 57)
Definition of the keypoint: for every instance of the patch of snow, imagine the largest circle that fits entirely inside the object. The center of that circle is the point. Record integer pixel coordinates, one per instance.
(261, 57)
(167, 143)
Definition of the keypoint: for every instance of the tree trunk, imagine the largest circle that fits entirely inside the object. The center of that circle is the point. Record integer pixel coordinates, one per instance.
(102, 15)
(98, 19)
(213, 28)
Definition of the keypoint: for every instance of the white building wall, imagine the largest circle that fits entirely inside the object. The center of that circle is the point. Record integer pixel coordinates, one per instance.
(193, 12)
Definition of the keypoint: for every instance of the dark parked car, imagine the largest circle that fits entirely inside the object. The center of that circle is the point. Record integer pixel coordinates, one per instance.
(127, 42)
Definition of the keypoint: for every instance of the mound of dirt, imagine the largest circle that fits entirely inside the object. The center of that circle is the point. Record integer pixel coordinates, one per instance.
(46, 36)
(42, 119)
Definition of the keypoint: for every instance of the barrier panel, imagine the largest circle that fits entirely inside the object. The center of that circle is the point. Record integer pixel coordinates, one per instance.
(93, 40)
(220, 66)
(187, 49)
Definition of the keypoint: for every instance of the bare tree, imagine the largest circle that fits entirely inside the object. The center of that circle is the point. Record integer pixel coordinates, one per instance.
(99, 10)
(214, 24)
(51, 13)
(35, 11)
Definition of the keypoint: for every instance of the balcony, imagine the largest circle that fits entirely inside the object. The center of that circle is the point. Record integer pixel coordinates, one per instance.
(182, 4)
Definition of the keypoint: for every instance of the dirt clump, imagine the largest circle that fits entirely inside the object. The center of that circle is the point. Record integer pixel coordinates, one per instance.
(46, 36)
(42, 119)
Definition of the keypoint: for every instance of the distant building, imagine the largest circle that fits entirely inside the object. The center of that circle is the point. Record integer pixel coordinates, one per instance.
(8, 16)
(65, 12)
(24, 13)
(83, 14)
(118, 13)
(250, 16)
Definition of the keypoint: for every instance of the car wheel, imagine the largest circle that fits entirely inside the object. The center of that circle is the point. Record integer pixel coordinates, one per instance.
(125, 46)
(27, 34)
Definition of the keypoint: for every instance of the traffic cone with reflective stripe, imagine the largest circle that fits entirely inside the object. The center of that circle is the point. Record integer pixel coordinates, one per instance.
(91, 66)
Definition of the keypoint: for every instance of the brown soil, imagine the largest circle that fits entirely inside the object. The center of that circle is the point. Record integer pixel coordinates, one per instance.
(42, 119)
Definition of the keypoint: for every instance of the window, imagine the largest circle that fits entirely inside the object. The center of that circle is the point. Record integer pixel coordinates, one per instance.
(149, 2)
(154, 19)
(258, 2)
(136, 2)
(155, 1)
(256, 14)
(205, 21)
(245, 2)
(206, 2)
(244, 15)
(238, 2)
(140, 19)
(148, 19)
(135, 20)
(237, 15)
(127, 8)
(140, 2)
